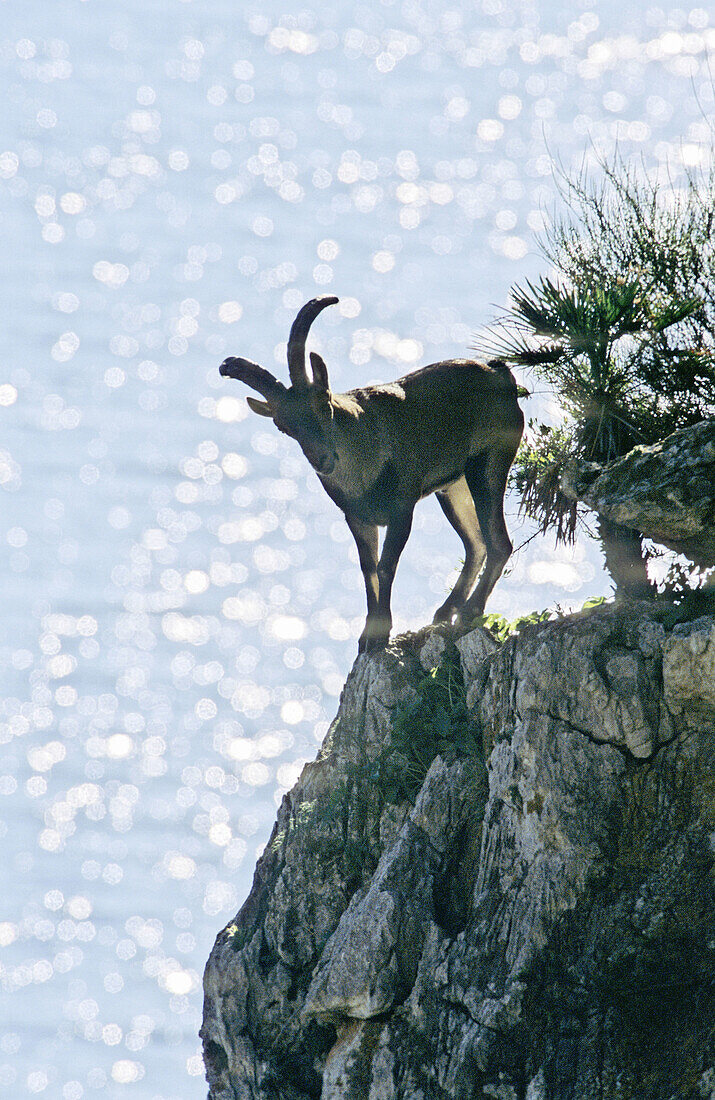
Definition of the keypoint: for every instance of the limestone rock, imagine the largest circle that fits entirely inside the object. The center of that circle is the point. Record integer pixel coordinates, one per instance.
(666, 491)
(689, 670)
(369, 963)
(537, 924)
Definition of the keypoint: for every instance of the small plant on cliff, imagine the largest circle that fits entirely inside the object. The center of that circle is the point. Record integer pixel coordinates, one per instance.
(502, 629)
(435, 723)
(625, 333)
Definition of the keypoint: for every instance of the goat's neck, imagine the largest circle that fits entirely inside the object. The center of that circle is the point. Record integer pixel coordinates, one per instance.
(358, 446)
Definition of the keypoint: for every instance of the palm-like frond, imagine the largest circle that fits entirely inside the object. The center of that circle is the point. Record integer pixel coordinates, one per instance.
(536, 475)
(581, 317)
(549, 321)
(570, 334)
(506, 340)
(625, 332)
(586, 318)
(673, 313)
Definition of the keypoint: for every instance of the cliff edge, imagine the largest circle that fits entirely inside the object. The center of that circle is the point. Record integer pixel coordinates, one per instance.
(496, 880)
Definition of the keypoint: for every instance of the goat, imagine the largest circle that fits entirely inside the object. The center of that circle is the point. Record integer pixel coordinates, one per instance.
(452, 428)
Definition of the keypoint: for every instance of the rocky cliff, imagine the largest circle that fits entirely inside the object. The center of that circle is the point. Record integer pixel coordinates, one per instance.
(666, 491)
(496, 880)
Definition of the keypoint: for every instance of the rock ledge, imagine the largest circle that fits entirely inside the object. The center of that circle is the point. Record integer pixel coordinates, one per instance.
(538, 923)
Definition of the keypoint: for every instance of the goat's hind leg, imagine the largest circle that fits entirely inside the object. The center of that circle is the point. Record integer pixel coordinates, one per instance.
(486, 476)
(458, 506)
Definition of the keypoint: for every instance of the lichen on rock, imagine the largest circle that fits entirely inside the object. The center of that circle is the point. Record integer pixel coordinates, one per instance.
(666, 491)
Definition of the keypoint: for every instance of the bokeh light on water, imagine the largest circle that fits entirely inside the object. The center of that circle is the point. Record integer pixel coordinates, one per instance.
(181, 601)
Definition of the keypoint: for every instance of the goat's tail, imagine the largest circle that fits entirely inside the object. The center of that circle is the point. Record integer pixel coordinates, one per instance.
(504, 369)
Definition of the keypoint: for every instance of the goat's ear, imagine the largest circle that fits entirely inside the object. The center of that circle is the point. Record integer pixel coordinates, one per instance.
(320, 371)
(260, 407)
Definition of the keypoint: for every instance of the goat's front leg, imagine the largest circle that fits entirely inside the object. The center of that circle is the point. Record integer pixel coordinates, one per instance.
(366, 540)
(377, 627)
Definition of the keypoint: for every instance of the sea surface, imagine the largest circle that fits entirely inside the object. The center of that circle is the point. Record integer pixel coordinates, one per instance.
(180, 600)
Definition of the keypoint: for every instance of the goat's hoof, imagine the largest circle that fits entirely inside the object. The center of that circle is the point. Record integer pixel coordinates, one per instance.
(375, 635)
(372, 643)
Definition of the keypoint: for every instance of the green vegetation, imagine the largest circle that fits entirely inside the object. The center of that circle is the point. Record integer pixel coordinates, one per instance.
(536, 475)
(237, 937)
(625, 333)
(433, 722)
(501, 629)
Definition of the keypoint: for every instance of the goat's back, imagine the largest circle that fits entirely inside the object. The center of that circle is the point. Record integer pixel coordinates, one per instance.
(428, 423)
(457, 395)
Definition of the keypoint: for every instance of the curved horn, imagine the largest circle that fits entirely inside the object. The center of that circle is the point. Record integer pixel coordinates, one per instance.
(298, 333)
(253, 375)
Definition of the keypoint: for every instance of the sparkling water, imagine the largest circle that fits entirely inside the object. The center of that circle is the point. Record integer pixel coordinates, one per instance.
(181, 601)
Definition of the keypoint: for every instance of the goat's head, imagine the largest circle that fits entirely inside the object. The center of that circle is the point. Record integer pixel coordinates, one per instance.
(303, 410)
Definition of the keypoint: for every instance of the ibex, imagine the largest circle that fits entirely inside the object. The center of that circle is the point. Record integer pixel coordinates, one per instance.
(452, 429)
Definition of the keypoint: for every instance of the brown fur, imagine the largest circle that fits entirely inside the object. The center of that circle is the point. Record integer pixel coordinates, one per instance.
(452, 429)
